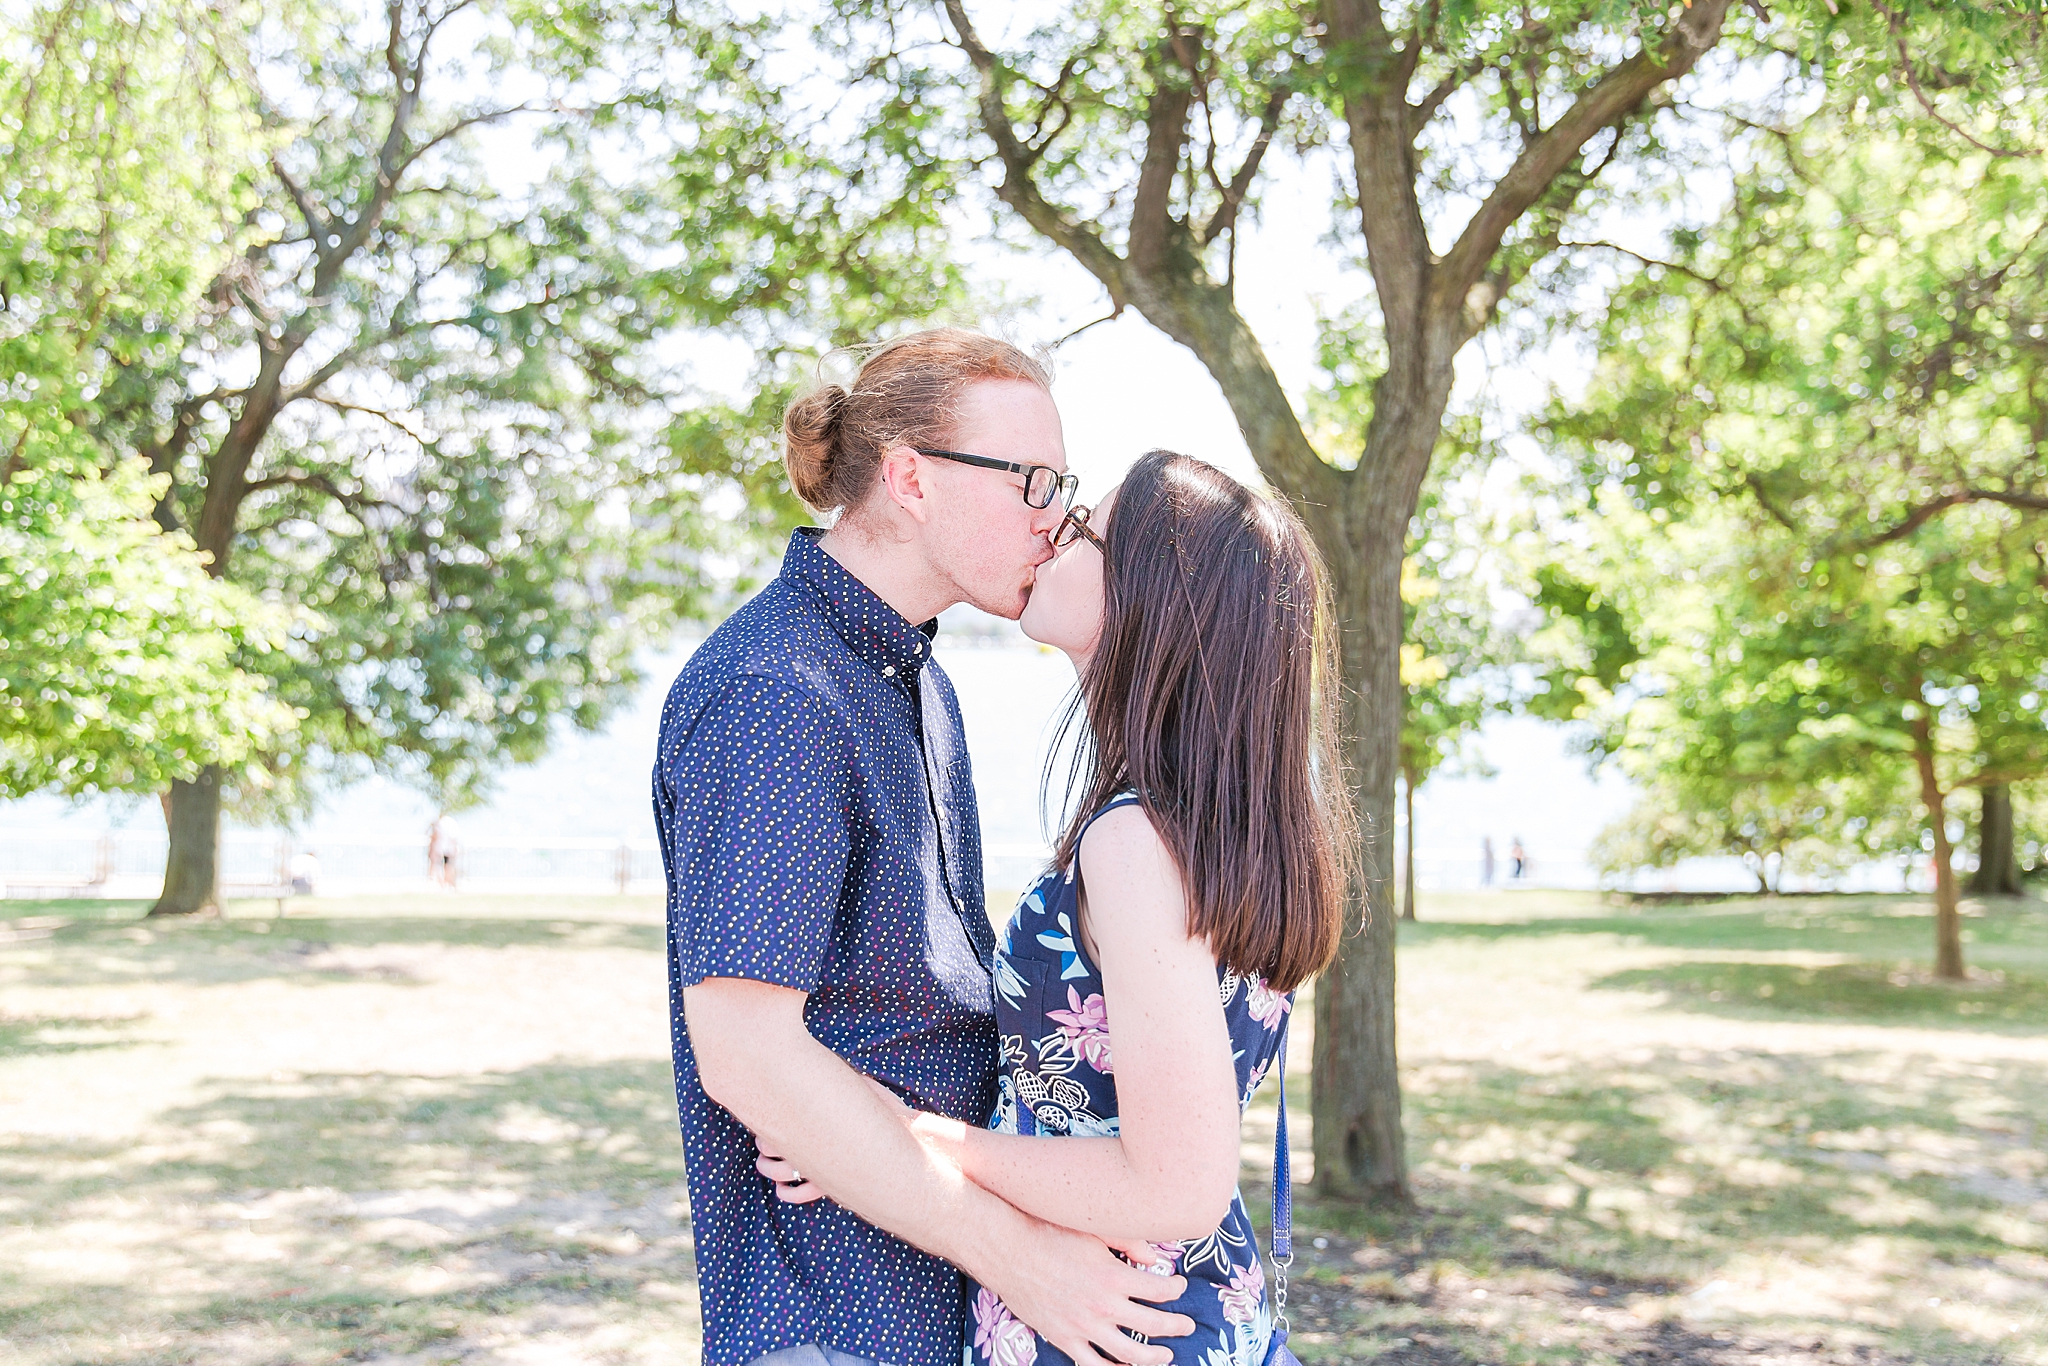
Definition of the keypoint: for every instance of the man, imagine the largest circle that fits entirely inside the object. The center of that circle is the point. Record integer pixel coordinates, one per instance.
(825, 902)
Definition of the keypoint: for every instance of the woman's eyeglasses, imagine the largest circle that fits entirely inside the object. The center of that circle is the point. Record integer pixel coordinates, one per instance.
(1042, 483)
(1074, 527)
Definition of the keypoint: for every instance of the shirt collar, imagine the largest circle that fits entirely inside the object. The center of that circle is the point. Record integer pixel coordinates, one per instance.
(871, 628)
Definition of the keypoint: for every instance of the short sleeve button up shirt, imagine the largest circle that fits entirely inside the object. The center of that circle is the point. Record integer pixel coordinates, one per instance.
(819, 832)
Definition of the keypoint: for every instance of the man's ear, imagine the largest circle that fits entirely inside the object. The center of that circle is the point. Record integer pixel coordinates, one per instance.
(901, 477)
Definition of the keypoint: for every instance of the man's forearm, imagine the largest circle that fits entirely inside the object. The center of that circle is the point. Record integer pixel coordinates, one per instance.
(807, 1105)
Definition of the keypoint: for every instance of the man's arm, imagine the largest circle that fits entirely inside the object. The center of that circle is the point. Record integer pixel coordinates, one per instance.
(756, 1058)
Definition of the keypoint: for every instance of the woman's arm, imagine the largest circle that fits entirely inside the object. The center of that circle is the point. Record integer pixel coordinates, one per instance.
(1173, 1171)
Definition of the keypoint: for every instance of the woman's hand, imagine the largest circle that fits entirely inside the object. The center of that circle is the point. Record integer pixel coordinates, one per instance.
(790, 1186)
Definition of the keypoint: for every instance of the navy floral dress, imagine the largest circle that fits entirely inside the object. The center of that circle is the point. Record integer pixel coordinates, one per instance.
(1058, 1079)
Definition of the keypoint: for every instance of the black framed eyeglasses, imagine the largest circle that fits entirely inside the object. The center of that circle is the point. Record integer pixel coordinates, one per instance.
(1075, 528)
(1042, 483)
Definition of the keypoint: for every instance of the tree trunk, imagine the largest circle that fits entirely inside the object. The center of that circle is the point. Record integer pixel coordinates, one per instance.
(1998, 864)
(192, 872)
(1948, 917)
(192, 809)
(1408, 848)
(1355, 1092)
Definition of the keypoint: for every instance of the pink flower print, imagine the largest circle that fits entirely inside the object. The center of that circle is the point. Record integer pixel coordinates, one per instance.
(1000, 1337)
(1245, 1293)
(1086, 1027)
(1251, 1083)
(1267, 1006)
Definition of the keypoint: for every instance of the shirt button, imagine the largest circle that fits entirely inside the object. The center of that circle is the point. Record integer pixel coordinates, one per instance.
(888, 671)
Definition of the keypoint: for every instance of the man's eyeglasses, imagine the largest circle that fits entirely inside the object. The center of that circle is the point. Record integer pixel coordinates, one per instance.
(1042, 483)
(1074, 528)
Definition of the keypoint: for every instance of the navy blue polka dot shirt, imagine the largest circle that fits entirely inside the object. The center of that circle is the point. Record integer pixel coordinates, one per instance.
(819, 830)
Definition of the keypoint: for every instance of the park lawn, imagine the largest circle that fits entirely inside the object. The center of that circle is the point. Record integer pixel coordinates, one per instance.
(441, 1129)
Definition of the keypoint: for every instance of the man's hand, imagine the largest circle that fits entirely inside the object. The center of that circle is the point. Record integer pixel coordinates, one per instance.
(1080, 1297)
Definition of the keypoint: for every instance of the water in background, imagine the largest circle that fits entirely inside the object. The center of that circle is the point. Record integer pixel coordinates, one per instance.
(580, 818)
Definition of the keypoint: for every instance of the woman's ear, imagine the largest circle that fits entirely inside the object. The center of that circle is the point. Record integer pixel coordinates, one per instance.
(902, 479)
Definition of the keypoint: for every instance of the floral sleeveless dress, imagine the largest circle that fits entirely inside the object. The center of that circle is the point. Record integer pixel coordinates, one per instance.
(1059, 1079)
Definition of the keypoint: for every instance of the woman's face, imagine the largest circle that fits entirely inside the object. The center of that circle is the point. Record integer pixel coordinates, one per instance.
(1065, 610)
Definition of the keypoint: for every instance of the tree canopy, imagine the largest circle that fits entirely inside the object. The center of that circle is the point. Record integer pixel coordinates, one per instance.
(1816, 445)
(412, 363)
(122, 665)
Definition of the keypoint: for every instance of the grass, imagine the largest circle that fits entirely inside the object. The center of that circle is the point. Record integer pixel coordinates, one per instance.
(1752, 1130)
(441, 1129)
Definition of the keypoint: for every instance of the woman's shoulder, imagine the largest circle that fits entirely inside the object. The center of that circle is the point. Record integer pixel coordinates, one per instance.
(1132, 878)
(1118, 834)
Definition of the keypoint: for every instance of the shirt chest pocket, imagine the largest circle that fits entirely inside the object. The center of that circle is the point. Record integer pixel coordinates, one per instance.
(1022, 984)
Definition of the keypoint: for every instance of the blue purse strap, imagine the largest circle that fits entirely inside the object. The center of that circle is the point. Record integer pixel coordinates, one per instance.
(1283, 1195)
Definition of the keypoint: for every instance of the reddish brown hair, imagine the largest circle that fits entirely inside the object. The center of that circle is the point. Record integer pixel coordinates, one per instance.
(1213, 695)
(907, 393)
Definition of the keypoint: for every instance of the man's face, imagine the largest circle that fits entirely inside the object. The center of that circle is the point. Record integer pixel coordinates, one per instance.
(984, 537)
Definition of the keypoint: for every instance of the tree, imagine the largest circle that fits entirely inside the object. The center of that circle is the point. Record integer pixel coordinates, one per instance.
(1713, 732)
(440, 414)
(1131, 136)
(2030, 829)
(1998, 861)
(1842, 381)
(118, 655)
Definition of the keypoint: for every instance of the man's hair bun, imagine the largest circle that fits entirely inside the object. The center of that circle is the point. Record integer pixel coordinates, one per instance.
(810, 443)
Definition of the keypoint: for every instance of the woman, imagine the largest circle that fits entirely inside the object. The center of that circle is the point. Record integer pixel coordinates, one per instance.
(1144, 983)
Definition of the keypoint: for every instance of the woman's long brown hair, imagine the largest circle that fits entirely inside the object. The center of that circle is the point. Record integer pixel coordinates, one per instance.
(1213, 695)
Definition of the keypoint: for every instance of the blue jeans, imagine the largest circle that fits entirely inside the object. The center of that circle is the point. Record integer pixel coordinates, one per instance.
(811, 1354)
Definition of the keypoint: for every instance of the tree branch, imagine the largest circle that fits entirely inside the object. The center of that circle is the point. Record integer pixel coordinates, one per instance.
(1897, 21)
(1377, 116)
(316, 222)
(1928, 511)
(391, 155)
(1755, 484)
(1018, 189)
(1712, 282)
(1166, 122)
(383, 415)
(1240, 184)
(488, 116)
(1482, 301)
(318, 483)
(1612, 98)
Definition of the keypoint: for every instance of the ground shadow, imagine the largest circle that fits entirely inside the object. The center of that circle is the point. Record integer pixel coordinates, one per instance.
(98, 952)
(1550, 1202)
(311, 1201)
(1860, 993)
(23, 1035)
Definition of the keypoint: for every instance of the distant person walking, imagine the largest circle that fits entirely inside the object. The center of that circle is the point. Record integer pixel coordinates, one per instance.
(1486, 861)
(442, 852)
(1518, 860)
